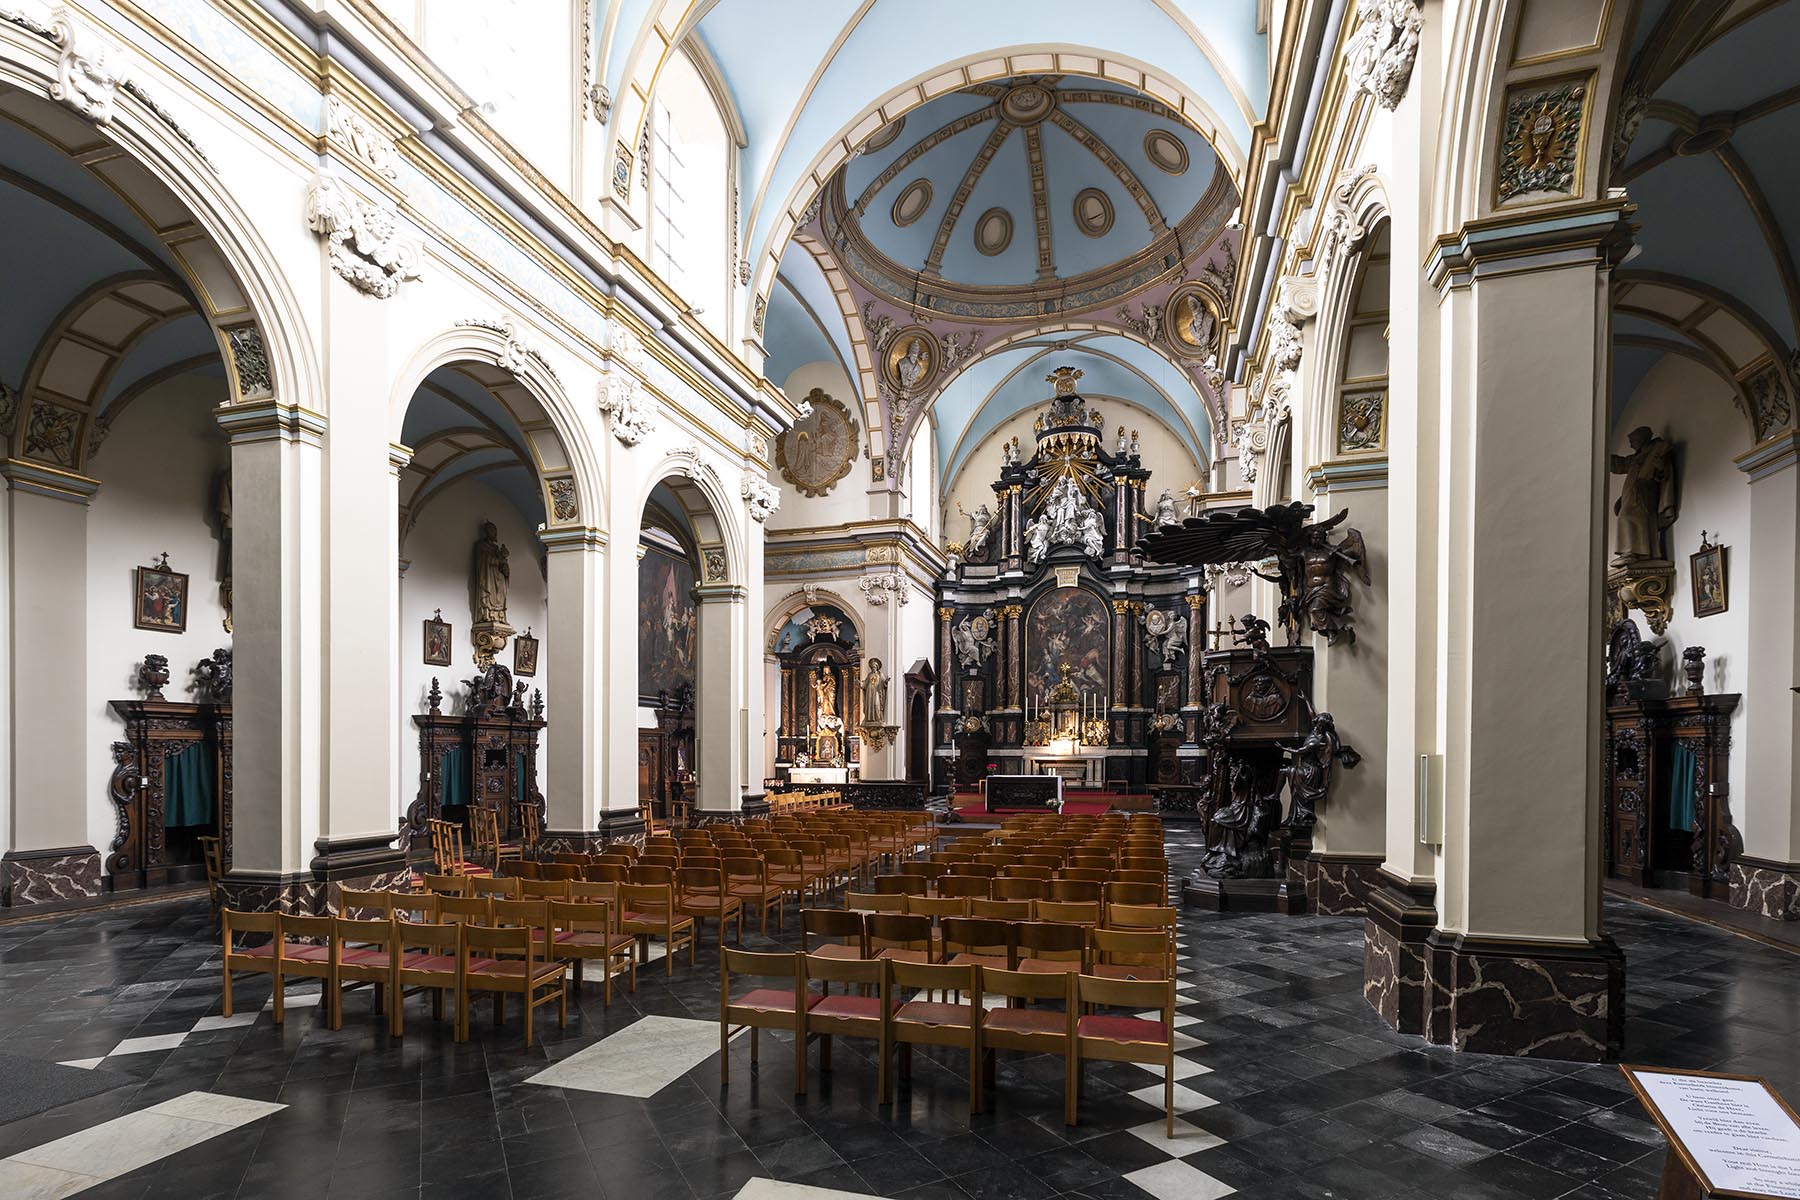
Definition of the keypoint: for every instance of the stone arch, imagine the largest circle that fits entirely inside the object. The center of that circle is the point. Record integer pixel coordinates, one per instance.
(1362, 202)
(138, 151)
(697, 486)
(790, 606)
(495, 357)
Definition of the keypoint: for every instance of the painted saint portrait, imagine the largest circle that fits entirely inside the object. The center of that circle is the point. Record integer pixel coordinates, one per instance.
(161, 598)
(666, 622)
(525, 654)
(437, 641)
(1706, 568)
(1066, 639)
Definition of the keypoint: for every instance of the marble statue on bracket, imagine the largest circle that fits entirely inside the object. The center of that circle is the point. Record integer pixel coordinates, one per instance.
(1647, 504)
(490, 574)
(875, 699)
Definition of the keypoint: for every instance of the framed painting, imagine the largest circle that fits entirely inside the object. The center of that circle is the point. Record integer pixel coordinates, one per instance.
(160, 598)
(668, 627)
(1066, 641)
(1706, 571)
(525, 652)
(437, 640)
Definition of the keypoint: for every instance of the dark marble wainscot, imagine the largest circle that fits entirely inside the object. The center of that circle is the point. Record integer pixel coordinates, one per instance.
(1768, 889)
(67, 875)
(1338, 885)
(370, 861)
(1534, 1000)
(1401, 918)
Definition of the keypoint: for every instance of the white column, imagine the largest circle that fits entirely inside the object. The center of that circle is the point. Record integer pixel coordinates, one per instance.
(47, 602)
(618, 720)
(722, 698)
(1767, 796)
(277, 645)
(578, 698)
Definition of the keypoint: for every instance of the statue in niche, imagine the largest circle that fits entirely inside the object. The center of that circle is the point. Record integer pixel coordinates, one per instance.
(825, 696)
(1646, 506)
(974, 638)
(489, 577)
(875, 690)
(1324, 594)
(1309, 774)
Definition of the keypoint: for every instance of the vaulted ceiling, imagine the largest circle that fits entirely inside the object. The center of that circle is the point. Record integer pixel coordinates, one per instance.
(1717, 185)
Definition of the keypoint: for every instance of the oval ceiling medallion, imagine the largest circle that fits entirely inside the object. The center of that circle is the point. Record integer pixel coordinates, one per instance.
(1093, 212)
(1165, 151)
(1027, 104)
(993, 231)
(912, 202)
(884, 137)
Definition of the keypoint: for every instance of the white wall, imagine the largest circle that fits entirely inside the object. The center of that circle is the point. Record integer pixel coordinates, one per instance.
(1691, 406)
(848, 500)
(439, 548)
(156, 472)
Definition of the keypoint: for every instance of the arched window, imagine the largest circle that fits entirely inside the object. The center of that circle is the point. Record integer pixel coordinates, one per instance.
(690, 193)
(1360, 421)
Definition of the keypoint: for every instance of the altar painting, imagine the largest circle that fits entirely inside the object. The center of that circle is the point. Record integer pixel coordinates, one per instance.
(1066, 641)
(666, 622)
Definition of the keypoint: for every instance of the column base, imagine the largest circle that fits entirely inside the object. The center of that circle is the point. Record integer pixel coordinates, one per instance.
(273, 891)
(65, 875)
(571, 841)
(367, 861)
(622, 825)
(1401, 918)
(1768, 889)
(1339, 885)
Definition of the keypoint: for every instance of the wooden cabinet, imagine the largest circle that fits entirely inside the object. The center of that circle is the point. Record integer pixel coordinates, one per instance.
(1668, 818)
(486, 755)
(163, 737)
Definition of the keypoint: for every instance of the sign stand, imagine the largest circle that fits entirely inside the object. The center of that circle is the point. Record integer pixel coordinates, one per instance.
(1729, 1135)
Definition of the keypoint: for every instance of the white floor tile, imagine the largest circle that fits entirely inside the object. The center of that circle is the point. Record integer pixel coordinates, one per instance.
(86, 1064)
(309, 998)
(639, 1060)
(207, 1024)
(773, 1189)
(23, 1181)
(1175, 1180)
(1182, 1021)
(1189, 1138)
(1186, 1098)
(141, 1045)
(123, 1144)
(1184, 1042)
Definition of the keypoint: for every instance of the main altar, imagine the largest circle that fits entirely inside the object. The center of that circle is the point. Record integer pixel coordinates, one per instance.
(1060, 650)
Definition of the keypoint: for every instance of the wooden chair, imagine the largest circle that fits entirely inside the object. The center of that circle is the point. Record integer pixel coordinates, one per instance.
(1108, 1038)
(787, 871)
(466, 910)
(413, 906)
(846, 1015)
(365, 956)
(701, 894)
(1032, 1030)
(763, 1008)
(531, 829)
(556, 870)
(447, 885)
(213, 859)
(1138, 893)
(501, 887)
(922, 1022)
(1048, 947)
(580, 930)
(251, 960)
(968, 887)
(1097, 875)
(986, 943)
(1070, 912)
(358, 900)
(1132, 954)
(1002, 910)
(484, 831)
(747, 880)
(847, 926)
(1083, 891)
(506, 962)
(871, 902)
(654, 872)
(308, 949)
(649, 911)
(1126, 875)
(544, 889)
(929, 871)
(1015, 888)
(425, 958)
(900, 937)
(901, 885)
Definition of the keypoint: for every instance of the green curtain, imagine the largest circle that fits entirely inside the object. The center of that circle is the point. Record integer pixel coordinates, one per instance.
(1681, 788)
(188, 787)
(521, 793)
(453, 770)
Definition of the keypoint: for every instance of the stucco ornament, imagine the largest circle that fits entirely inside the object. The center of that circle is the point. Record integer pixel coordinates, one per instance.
(633, 415)
(879, 589)
(1379, 58)
(86, 79)
(1251, 439)
(763, 497)
(367, 251)
(345, 126)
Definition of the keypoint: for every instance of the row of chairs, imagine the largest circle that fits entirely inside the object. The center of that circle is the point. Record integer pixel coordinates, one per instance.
(1120, 887)
(894, 1022)
(393, 956)
(641, 911)
(1126, 952)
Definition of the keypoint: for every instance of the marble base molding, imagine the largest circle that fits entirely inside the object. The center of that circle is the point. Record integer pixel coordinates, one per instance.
(1338, 885)
(1766, 888)
(62, 876)
(1490, 995)
(366, 861)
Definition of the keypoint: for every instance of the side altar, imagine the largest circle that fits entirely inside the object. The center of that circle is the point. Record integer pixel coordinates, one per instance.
(1060, 651)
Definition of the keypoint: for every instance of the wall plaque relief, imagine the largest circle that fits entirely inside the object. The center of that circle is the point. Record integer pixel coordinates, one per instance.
(818, 450)
(1361, 422)
(1540, 147)
(1191, 321)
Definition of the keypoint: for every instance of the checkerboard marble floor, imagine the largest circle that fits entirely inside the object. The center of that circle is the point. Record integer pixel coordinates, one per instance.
(1289, 1085)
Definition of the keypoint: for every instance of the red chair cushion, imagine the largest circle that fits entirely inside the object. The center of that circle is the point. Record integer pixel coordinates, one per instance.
(773, 1000)
(365, 957)
(1122, 1029)
(1026, 1020)
(428, 962)
(925, 1012)
(848, 1006)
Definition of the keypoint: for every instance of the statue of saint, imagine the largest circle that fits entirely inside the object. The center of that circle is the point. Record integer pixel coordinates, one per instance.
(875, 688)
(491, 574)
(825, 694)
(1646, 505)
(911, 368)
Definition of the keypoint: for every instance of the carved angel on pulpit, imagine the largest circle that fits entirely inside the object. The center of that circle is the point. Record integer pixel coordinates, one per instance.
(1324, 595)
(1309, 774)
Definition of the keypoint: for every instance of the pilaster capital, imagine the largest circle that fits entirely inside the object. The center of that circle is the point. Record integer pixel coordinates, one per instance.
(53, 482)
(720, 593)
(565, 538)
(1348, 475)
(1569, 235)
(271, 420)
(1771, 455)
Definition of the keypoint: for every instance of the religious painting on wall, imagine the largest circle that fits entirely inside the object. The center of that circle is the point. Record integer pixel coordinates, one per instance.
(1066, 641)
(1706, 569)
(437, 640)
(818, 450)
(666, 622)
(525, 652)
(160, 598)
